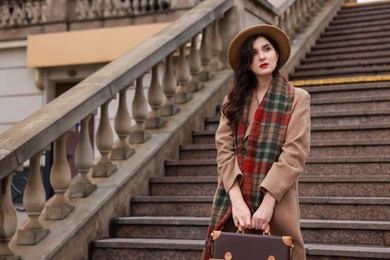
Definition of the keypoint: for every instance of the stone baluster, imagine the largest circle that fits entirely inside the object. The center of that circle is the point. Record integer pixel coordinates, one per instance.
(80, 9)
(205, 55)
(183, 77)
(295, 12)
(8, 221)
(82, 185)
(281, 23)
(60, 177)
(122, 125)
(155, 99)
(104, 143)
(194, 63)
(139, 107)
(215, 62)
(306, 13)
(168, 107)
(106, 8)
(34, 199)
(288, 21)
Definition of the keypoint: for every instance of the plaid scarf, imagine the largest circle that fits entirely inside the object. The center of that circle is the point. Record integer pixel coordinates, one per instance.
(264, 145)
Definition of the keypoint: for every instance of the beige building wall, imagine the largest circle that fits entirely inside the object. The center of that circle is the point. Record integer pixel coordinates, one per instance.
(19, 97)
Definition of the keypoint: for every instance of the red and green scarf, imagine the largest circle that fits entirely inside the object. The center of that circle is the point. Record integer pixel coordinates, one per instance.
(256, 156)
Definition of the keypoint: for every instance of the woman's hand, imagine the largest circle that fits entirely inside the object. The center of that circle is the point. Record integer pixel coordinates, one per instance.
(240, 211)
(264, 213)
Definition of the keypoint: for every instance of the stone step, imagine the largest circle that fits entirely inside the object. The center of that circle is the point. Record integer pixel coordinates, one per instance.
(344, 166)
(371, 10)
(349, 56)
(325, 132)
(309, 185)
(160, 227)
(377, 103)
(343, 50)
(348, 118)
(135, 249)
(207, 167)
(203, 137)
(334, 251)
(340, 165)
(363, 62)
(348, 44)
(211, 123)
(323, 148)
(327, 92)
(362, 8)
(350, 28)
(377, 16)
(313, 231)
(339, 234)
(341, 208)
(350, 132)
(371, 70)
(363, 34)
(346, 232)
(345, 208)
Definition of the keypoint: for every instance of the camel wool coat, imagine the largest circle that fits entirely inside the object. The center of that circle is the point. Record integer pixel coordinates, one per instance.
(282, 179)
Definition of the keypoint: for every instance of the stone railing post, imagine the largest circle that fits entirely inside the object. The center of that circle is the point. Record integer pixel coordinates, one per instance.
(138, 134)
(122, 125)
(104, 143)
(8, 221)
(169, 107)
(205, 54)
(60, 178)
(155, 99)
(215, 62)
(82, 185)
(34, 199)
(182, 77)
(194, 63)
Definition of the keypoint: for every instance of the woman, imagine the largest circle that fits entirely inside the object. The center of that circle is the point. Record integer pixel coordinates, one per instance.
(263, 140)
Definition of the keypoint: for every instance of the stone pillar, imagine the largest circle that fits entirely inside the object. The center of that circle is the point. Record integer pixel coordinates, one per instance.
(194, 63)
(122, 125)
(138, 134)
(60, 178)
(155, 99)
(104, 143)
(34, 199)
(182, 77)
(168, 107)
(8, 221)
(82, 185)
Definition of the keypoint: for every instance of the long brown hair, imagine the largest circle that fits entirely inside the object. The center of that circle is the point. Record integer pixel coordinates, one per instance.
(244, 81)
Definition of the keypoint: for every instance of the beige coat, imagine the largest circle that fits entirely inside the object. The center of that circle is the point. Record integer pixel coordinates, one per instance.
(282, 179)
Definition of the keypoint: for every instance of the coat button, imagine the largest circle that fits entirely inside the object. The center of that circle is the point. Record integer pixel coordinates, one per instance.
(244, 151)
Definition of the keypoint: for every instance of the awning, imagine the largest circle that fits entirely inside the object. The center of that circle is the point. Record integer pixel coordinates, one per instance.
(86, 46)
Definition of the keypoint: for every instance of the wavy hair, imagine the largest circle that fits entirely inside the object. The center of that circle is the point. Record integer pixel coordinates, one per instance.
(244, 81)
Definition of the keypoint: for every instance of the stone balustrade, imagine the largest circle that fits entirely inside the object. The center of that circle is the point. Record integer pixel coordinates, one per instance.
(25, 141)
(21, 13)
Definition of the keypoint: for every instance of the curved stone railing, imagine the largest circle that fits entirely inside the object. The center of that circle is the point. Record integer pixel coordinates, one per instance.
(194, 41)
(19, 13)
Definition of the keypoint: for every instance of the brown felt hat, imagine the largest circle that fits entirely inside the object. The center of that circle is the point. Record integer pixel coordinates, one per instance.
(280, 37)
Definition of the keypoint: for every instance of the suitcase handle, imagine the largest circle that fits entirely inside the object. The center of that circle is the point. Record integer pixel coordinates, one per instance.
(267, 230)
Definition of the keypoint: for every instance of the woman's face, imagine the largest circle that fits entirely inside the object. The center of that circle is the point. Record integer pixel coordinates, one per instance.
(265, 57)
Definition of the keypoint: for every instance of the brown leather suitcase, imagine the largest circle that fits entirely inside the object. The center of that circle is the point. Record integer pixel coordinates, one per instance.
(241, 246)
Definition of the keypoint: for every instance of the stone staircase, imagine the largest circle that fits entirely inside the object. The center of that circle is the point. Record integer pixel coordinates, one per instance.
(356, 43)
(345, 190)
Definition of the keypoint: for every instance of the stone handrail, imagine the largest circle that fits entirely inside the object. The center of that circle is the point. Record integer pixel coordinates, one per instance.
(26, 141)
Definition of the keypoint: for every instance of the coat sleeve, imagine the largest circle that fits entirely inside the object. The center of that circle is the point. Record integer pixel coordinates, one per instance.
(228, 169)
(284, 173)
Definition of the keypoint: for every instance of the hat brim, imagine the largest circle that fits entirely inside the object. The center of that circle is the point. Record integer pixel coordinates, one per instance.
(280, 37)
